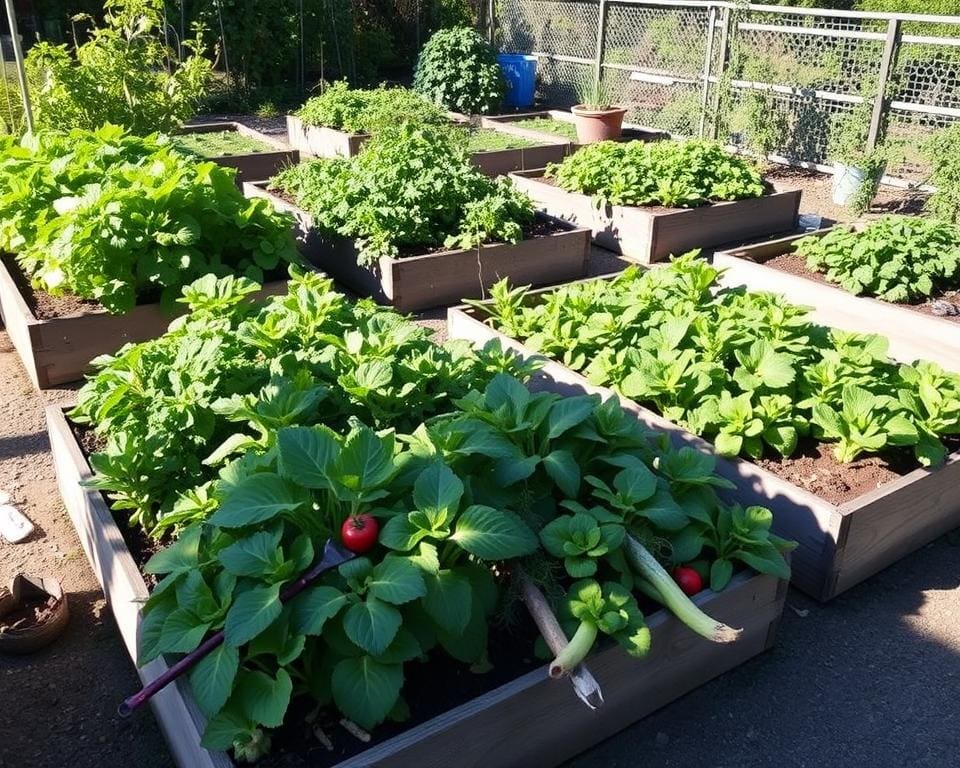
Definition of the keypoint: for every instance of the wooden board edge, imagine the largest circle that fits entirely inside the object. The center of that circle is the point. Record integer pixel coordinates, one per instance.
(115, 571)
(20, 324)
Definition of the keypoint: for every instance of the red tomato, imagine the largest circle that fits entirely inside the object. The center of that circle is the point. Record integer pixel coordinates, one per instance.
(688, 579)
(359, 533)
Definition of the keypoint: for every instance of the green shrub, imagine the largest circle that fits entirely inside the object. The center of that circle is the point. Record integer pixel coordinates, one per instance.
(897, 258)
(357, 110)
(112, 217)
(680, 174)
(410, 187)
(119, 76)
(457, 69)
(941, 150)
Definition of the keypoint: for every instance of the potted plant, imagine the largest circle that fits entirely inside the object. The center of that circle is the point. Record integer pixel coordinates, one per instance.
(857, 169)
(596, 118)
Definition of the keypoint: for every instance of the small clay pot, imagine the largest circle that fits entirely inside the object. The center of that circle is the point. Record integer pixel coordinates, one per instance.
(595, 125)
(32, 635)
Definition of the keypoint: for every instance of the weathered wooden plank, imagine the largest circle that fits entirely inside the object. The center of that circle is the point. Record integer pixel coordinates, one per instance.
(125, 590)
(319, 141)
(59, 351)
(442, 278)
(481, 732)
(648, 234)
(838, 546)
(912, 335)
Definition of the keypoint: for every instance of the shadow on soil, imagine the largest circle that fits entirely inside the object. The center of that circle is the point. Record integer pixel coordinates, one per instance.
(15, 446)
(868, 679)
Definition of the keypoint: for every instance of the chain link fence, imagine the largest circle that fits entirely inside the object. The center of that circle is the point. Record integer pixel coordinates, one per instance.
(774, 80)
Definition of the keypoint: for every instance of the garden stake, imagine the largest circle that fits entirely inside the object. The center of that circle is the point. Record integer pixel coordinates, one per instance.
(333, 555)
(584, 683)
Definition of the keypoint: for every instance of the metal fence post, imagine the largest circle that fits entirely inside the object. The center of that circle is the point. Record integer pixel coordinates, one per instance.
(601, 34)
(890, 47)
(707, 65)
(726, 17)
(21, 71)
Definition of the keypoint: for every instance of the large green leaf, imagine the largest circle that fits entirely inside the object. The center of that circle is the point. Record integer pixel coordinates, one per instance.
(492, 534)
(366, 690)
(307, 455)
(448, 600)
(212, 679)
(256, 499)
(372, 624)
(396, 580)
(311, 609)
(563, 469)
(251, 613)
(255, 555)
(264, 699)
(182, 631)
(570, 412)
(366, 460)
(180, 556)
(437, 493)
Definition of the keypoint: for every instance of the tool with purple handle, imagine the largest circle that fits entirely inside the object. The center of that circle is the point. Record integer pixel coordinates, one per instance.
(333, 555)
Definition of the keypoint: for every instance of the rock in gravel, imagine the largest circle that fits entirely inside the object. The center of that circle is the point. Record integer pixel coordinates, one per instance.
(943, 308)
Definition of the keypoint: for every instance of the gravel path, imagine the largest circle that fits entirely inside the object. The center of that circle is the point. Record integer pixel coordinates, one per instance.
(868, 680)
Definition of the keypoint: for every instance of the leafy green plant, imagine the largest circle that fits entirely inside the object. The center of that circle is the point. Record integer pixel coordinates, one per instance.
(895, 258)
(362, 111)
(748, 371)
(124, 74)
(847, 144)
(411, 188)
(229, 374)
(457, 70)
(220, 143)
(111, 217)
(680, 174)
(940, 152)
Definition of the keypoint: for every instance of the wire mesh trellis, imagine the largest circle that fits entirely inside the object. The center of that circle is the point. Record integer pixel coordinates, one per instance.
(764, 77)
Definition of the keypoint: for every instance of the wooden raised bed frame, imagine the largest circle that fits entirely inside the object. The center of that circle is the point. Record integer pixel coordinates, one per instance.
(913, 335)
(442, 278)
(839, 545)
(505, 124)
(481, 732)
(251, 167)
(59, 350)
(649, 234)
(329, 142)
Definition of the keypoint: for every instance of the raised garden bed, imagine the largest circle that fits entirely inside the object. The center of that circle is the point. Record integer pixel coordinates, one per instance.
(58, 350)
(840, 544)
(532, 152)
(649, 234)
(559, 124)
(913, 334)
(482, 731)
(255, 155)
(442, 277)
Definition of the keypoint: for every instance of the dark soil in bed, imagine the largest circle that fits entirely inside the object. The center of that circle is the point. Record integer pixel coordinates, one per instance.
(42, 304)
(795, 265)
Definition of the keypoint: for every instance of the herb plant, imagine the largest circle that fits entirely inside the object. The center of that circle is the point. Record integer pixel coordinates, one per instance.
(748, 371)
(113, 217)
(219, 144)
(412, 188)
(895, 258)
(457, 70)
(940, 150)
(677, 174)
(360, 111)
(124, 74)
(231, 372)
(457, 497)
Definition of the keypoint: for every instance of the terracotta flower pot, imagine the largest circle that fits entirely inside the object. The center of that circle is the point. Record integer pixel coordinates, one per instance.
(598, 124)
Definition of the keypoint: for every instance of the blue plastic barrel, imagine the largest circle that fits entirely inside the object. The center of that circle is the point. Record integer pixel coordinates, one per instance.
(520, 72)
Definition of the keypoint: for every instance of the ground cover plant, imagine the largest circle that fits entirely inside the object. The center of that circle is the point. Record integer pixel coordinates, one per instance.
(220, 144)
(676, 174)
(746, 370)
(485, 140)
(895, 258)
(560, 128)
(124, 74)
(457, 69)
(941, 152)
(412, 188)
(369, 111)
(113, 217)
(232, 370)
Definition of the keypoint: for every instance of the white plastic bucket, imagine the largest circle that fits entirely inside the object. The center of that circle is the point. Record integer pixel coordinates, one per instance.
(847, 179)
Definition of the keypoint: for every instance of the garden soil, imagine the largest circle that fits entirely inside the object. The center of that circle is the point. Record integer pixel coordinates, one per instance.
(869, 680)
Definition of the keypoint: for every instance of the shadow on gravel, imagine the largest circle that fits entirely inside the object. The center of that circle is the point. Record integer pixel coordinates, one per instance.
(869, 680)
(15, 446)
